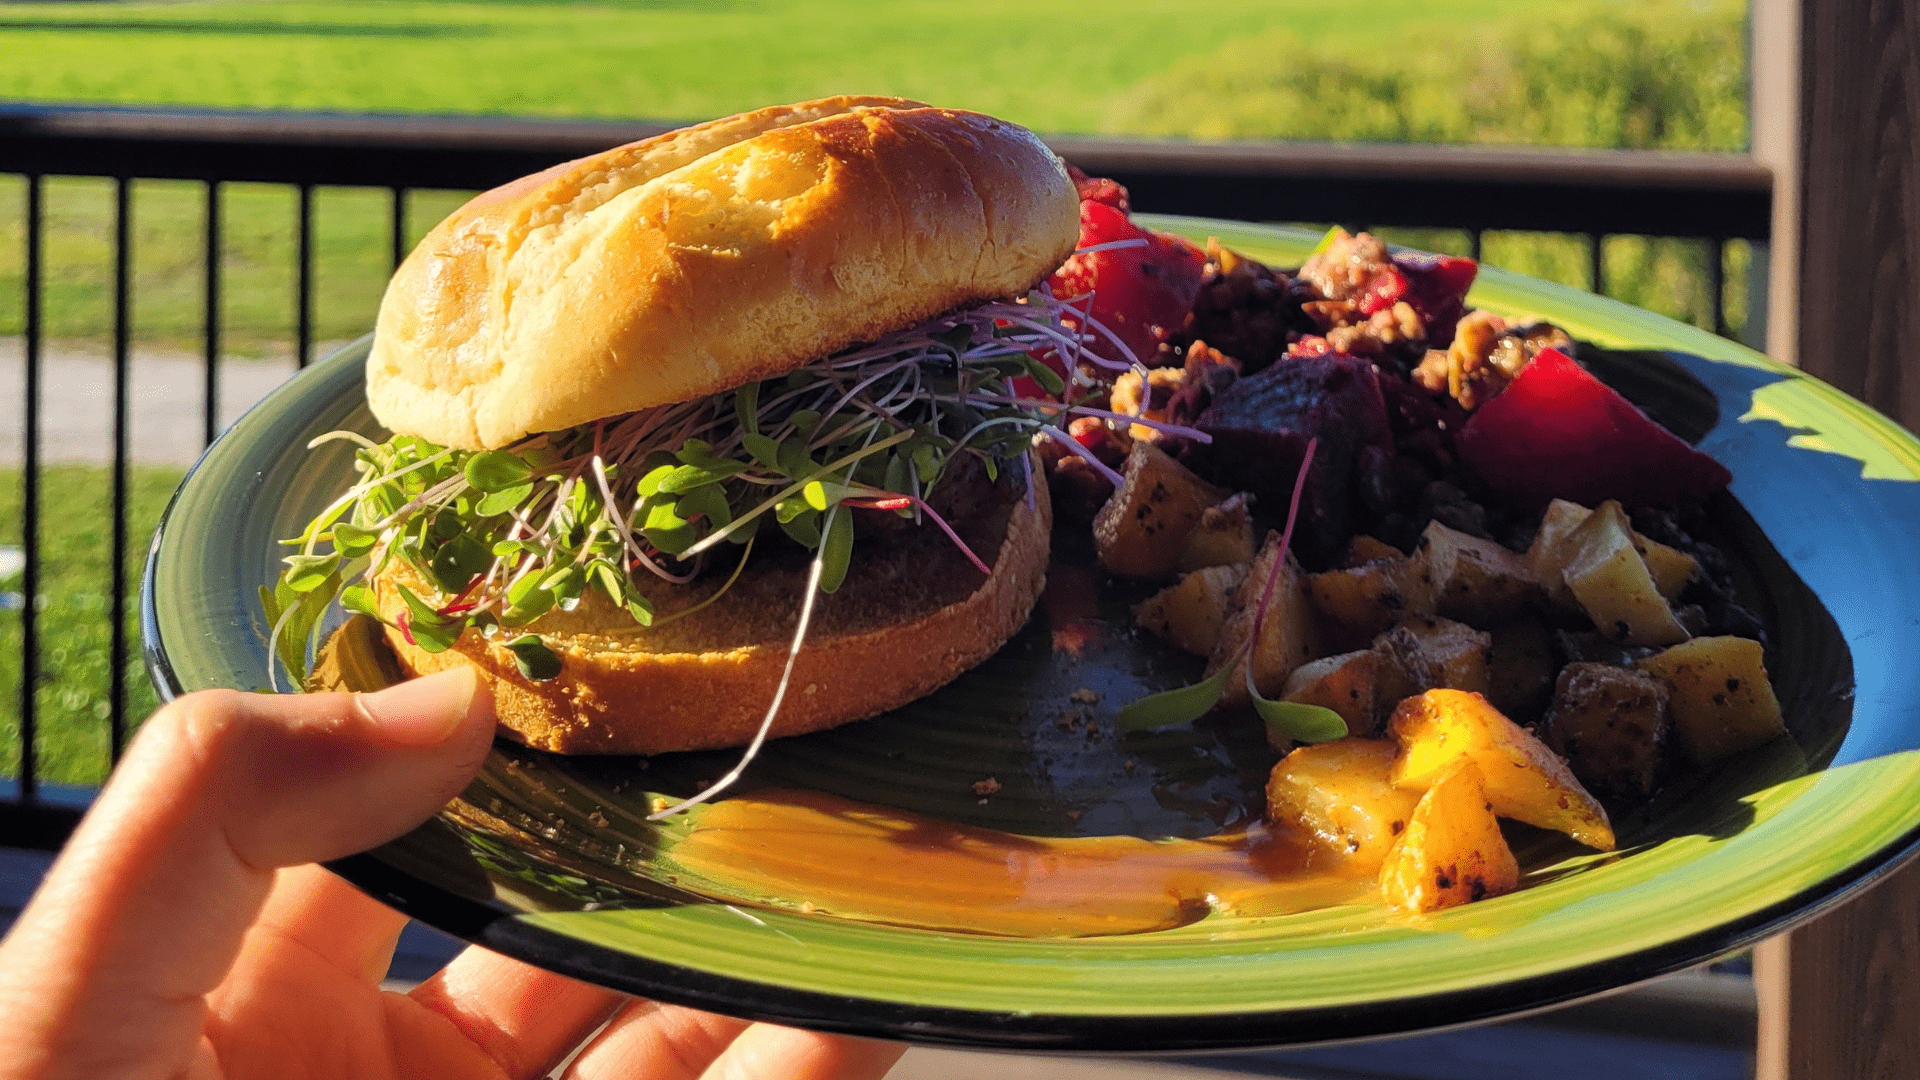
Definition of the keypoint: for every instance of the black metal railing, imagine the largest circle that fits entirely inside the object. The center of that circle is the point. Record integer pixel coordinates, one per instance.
(1711, 197)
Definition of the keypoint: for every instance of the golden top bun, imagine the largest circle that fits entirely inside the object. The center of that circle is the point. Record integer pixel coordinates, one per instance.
(693, 262)
(908, 619)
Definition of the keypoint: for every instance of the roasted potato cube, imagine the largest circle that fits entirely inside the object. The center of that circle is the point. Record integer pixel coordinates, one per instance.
(1339, 794)
(1222, 537)
(1452, 852)
(1363, 549)
(1435, 653)
(1607, 576)
(1722, 700)
(1359, 602)
(1525, 780)
(1189, 614)
(1670, 568)
(1611, 725)
(1350, 684)
(1288, 637)
(1521, 664)
(1142, 529)
(1473, 580)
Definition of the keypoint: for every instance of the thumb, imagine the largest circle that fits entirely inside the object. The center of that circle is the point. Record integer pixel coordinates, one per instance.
(146, 909)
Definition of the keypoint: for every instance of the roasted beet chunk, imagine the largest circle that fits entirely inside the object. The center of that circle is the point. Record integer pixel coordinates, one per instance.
(1436, 286)
(1260, 427)
(1557, 432)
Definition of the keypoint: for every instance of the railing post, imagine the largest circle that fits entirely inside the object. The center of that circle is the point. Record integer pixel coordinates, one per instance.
(1839, 78)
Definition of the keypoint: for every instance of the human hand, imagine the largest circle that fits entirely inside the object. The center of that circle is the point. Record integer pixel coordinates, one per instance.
(185, 933)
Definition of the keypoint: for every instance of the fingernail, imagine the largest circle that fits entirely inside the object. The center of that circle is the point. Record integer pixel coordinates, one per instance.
(424, 711)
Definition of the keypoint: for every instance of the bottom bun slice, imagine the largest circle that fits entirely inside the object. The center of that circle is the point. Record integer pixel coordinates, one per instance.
(913, 614)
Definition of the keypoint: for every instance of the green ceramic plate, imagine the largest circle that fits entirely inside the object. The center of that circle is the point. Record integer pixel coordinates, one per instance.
(549, 859)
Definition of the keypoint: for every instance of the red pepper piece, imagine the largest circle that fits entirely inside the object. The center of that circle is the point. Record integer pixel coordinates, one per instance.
(1143, 293)
(1557, 432)
(1098, 189)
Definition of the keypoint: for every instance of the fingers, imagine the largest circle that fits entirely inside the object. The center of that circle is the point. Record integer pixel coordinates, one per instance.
(650, 1041)
(326, 918)
(524, 1018)
(147, 908)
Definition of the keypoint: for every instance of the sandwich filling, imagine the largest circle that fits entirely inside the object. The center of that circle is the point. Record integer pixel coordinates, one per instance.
(630, 502)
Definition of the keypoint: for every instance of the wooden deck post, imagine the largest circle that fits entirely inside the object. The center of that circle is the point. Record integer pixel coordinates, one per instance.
(1837, 114)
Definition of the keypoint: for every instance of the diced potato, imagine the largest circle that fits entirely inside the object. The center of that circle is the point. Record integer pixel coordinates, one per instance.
(1363, 549)
(1359, 602)
(1476, 581)
(1189, 614)
(1669, 567)
(1288, 637)
(1452, 852)
(1607, 576)
(1722, 701)
(1525, 780)
(1611, 725)
(1350, 684)
(1142, 529)
(1521, 665)
(1339, 794)
(1222, 537)
(1437, 653)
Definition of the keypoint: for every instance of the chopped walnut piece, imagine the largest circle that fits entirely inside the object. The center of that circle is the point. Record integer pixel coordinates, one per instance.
(1347, 265)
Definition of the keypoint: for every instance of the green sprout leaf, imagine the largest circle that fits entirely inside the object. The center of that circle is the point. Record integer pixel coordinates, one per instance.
(795, 458)
(821, 494)
(746, 406)
(764, 450)
(1049, 379)
(688, 477)
(649, 485)
(640, 609)
(458, 562)
(497, 470)
(1299, 722)
(353, 541)
(305, 573)
(527, 601)
(500, 502)
(667, 530)
(431, 632)
(1176, 706)
(359, 600)
(533, 658)
(707, 502)
(836, 550)
(803, 527)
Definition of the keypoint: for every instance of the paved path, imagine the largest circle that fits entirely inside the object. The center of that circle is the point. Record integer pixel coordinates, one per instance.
(76, 409)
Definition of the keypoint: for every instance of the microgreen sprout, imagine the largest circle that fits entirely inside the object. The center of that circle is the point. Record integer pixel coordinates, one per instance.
(505, 536)
(1305, 723)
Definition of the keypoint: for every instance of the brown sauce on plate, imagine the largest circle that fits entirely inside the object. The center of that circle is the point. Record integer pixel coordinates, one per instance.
(817, 853)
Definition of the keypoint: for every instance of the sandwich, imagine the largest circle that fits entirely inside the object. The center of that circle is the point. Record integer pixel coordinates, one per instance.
(718, 436)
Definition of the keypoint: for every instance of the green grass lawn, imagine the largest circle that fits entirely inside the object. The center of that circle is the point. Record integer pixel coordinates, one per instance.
(75, 546)
(1054, 67)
